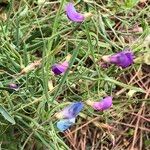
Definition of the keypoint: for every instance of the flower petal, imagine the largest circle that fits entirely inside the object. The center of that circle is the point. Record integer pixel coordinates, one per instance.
(70, 111)
(60, 68)
(123, 59)
(104, 104)
(72, 14)
(64, 124)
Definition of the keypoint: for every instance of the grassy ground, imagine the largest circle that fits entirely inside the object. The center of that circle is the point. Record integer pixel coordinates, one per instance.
(31, 30)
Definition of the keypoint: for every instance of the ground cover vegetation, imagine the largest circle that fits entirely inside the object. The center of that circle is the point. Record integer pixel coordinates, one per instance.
(75, 75)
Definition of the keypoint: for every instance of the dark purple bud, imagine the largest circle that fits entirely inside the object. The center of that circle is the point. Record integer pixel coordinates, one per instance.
(60, 68)
(70, 111)
(104, 104)
(122, 59)
(104, 65)
(13, 86)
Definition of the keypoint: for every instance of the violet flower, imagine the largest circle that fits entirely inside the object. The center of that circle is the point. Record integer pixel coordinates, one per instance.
(104, 104)
(72, 14)
(123, 59)
(70, 111)
(75, 16)
(60, 68)
(64, 124)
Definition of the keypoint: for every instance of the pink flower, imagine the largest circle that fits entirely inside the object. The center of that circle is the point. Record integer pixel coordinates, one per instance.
(104, 104)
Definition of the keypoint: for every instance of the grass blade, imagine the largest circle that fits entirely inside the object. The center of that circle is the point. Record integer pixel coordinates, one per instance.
(6, 115)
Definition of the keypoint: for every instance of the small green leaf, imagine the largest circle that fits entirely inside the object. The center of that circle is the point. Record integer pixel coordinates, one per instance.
(131, 3)
(24, 12)
(130, 87)
(6, 115)
(147, 142)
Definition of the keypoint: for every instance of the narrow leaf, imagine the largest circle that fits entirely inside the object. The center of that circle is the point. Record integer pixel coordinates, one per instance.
(6, 115)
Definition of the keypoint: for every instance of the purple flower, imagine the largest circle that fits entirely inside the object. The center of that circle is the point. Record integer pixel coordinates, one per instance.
(72, 14)
(70, 111)
(104, 104)
(123, 59)
(60, 68)
(64, 124)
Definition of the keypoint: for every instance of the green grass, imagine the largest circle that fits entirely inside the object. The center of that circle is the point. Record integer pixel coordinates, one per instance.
(34, 31)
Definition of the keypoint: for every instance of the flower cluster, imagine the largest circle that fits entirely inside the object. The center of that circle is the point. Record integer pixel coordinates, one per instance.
(68, 115)
(121, 59)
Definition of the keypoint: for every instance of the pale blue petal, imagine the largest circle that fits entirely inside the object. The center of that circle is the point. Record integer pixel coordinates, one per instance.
(64, 124)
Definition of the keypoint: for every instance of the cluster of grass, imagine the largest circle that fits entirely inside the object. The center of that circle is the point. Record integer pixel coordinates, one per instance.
(31, 30)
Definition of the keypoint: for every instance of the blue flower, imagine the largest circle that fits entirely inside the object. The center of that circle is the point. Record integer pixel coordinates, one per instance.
(70, 111)
(64, 124)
